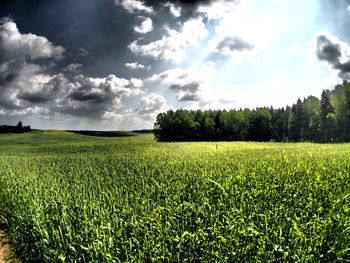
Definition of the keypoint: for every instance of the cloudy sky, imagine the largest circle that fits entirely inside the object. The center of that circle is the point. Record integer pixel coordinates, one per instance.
(115, 64)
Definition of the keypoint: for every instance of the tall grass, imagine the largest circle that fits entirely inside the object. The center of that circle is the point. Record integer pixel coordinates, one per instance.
(135, 200)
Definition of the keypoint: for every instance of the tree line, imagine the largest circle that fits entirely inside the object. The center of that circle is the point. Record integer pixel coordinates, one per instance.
(19, 128)
(311, 119)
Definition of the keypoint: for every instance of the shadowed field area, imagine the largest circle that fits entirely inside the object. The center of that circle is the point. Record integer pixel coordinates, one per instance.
(106, 133)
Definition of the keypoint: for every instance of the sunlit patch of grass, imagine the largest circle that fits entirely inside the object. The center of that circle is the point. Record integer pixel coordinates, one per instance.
(58, 132)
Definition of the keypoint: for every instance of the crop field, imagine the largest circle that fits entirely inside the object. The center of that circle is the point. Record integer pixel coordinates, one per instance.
(72, 198)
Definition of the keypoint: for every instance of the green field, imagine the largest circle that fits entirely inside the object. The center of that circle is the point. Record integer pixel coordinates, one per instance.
(73, 198)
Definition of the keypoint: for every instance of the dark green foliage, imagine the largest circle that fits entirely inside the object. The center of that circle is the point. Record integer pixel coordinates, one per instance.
(312, 122)
(183, 125)
(298, 122)
(341, 100)
(19, 128)
(327, 122)
(310, 119)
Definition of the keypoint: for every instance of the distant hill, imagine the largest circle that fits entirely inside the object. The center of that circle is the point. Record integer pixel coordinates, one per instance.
(104, 133)
(144, 131)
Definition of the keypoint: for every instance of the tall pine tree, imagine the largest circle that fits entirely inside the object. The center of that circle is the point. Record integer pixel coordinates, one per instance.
(327, 120)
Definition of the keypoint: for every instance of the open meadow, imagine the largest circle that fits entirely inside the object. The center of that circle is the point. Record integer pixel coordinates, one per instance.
(72, 198)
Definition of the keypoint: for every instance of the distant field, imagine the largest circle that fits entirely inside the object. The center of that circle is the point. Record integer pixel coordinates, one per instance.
(74, 198)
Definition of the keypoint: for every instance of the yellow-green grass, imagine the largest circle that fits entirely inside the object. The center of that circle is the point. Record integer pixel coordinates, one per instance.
(131, 199)
(58, 132)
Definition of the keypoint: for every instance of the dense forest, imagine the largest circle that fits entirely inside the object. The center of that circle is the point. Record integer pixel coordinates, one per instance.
(311, 119)
(19, 128)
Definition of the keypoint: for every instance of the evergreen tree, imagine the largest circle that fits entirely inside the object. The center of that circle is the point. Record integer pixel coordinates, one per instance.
(296, 130)
(346, 111)
(326, 122)
(19, 126)
(312, 112)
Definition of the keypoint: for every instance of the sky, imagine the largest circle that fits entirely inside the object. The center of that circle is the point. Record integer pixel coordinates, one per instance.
(116, 64)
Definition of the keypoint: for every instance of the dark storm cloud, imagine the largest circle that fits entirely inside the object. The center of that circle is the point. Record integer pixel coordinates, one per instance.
(331, 52)
(6, 78)
(11, 74)
(6, 103)
(191, 87)
(92, 97)
(36, 97)
(82, 94)
(188, 97)
(344, 70)
(55, 87)
(335, 16)
(186, 92)
(327, 50)
(233, 44)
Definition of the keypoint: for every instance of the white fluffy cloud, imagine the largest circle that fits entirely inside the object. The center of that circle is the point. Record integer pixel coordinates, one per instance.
(172, 46)
(259, 31)
(145, 26)
(174, 10)
(14, 45)
(26, 89)
(189, 84)
(133, 6)
(135, 65)
(19, 75)
(152, 104)
(42, 88)
(74, 67)
(94, 96)
(218, 9)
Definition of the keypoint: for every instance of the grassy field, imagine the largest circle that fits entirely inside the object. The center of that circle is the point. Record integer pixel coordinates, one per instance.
(73, 198)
